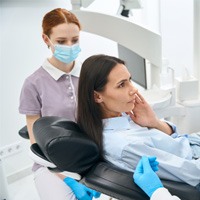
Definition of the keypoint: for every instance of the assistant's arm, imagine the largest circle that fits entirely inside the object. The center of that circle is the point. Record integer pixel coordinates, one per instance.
(30, 119)
(81, 191)
(30, 105)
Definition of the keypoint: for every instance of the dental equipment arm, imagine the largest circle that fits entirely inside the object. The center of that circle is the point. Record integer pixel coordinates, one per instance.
(124, 7)
(77, 4)
(127, 5)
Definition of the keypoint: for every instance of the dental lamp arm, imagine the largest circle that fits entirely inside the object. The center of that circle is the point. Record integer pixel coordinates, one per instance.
(77, 4)
(127, 5)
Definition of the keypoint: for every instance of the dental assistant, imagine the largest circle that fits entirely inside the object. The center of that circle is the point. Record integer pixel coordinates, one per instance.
(52, 91)
(146, 178)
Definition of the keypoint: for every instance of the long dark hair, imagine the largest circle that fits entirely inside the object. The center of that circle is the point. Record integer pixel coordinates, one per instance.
(93, 77)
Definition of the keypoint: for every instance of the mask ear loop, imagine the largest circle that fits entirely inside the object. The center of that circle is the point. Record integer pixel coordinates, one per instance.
(50, 42)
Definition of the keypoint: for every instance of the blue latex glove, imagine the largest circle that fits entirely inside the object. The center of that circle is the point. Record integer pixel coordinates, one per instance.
(81, 191)
(145, 176)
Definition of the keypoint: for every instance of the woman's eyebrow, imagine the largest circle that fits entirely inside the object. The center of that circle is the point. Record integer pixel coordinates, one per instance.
(121, 81)
(65, 38)
(61, 38)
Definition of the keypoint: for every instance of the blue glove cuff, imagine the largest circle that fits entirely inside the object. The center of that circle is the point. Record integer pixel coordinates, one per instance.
(69, 181)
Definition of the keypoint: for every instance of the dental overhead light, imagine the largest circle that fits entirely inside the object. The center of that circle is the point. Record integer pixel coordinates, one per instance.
(77, 4)
(127, 5)
(124, 7)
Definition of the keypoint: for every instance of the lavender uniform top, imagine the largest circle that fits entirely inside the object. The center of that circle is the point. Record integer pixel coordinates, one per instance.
(50, 92)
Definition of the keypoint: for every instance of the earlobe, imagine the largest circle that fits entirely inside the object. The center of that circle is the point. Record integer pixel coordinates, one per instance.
(97, 97)
(44, 37)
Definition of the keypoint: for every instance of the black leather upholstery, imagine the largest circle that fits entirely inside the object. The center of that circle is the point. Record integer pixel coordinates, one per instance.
(113, 182)
(119, 184)
(23, 132)
(65, 145)
(62, 143)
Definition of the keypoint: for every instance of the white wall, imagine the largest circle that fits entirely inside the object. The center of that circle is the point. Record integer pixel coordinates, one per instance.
(177, 34)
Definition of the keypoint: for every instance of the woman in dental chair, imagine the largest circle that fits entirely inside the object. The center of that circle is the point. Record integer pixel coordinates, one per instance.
(116, 116)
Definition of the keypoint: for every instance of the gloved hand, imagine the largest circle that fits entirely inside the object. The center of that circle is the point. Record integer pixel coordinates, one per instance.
(81, 191)
(145, 176)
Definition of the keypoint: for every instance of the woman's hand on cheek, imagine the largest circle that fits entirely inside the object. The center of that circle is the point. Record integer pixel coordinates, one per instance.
(143, 114)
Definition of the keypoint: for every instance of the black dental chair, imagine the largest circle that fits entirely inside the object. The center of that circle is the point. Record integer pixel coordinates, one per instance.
(61, 142)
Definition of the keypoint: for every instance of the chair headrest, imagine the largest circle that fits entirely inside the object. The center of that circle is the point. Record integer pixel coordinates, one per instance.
(65, 145)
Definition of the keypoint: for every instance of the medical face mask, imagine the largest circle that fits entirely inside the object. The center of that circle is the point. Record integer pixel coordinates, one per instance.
(66, 54)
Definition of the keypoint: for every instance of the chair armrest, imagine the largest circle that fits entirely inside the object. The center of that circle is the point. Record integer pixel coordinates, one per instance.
(113, 181)
(118, 183)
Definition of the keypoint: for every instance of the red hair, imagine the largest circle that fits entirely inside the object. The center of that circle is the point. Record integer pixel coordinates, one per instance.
(56, 17)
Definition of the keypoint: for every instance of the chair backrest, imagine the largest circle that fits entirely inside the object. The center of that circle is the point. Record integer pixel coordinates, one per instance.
(65, 145)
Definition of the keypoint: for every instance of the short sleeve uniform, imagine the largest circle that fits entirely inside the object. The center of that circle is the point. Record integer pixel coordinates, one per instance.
(50, 92)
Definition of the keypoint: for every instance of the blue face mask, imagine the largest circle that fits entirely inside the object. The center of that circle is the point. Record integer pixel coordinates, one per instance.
(66, 54)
